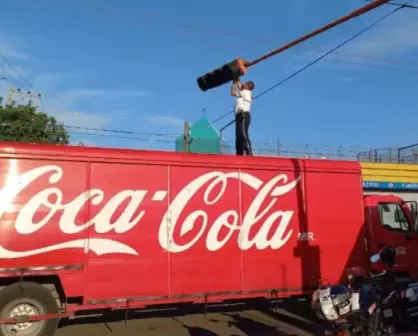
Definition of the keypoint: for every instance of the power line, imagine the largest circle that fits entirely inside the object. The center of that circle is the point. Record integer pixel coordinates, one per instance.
(125, 137)
(143, 136)
(117, 131)
(7, 77)
(25, 80)
(165, 20)
(320, 57)
(107, 130)
(4, 78)
(163, 138)
(279, 149)
(210, 30)
(290, 148)
(282, 149)
(17, 72)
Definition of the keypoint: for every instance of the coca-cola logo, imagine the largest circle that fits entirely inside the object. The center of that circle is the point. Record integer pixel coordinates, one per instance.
(213, 184)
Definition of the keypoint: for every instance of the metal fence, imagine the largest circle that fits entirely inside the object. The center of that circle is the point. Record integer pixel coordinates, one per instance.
(380, 155)
(276, 148)
(407, 154)
(392, 154)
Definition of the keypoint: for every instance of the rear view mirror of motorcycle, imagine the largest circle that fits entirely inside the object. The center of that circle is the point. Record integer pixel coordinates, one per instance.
(386, 255)
(375, 258)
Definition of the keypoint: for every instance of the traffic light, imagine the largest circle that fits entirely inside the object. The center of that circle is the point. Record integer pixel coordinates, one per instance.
(222, 75)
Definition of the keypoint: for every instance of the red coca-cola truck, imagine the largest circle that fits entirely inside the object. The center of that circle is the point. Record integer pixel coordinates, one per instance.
(93, 228)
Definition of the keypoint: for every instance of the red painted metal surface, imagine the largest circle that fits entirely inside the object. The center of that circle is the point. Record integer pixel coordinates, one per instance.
(163, 227)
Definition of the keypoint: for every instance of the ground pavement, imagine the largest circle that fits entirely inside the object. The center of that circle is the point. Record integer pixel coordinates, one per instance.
(288, 318)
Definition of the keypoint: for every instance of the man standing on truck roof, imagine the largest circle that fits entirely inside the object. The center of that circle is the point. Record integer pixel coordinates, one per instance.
(244, 95)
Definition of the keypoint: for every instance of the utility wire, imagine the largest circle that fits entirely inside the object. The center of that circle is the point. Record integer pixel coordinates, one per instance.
(107, 130)
(117, 131)
(4, 78)
(321, 57)
(17, 72)
(24, 79)
(184, 25)
(8, 78)
(167, 138)
(164, 137)
(284, 148)
(260, 39)
(124, 137)
(346, 153)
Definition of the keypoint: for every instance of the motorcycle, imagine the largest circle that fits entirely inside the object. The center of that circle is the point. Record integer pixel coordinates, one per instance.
(366, 306)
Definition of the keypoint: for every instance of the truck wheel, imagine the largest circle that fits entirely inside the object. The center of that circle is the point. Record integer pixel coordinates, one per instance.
(27, 298)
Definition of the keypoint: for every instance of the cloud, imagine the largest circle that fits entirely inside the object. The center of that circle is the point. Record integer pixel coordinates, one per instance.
(75, 98)
(389, 45)
(82, 119)
(14, 47)
(88, 93)
(67, 105)
(396, 38)
(15, 71)
(166, 120)
(10, 52)
(61, 98)
(49, 80)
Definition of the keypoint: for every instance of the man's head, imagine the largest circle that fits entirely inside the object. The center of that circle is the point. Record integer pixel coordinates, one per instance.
(249, 85)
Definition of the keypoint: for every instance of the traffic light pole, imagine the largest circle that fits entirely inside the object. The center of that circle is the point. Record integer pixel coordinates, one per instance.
(405, 5)
(345, 18)
(238, 67)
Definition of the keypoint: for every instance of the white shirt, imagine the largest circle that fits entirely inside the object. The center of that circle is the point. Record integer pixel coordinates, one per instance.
(244, 100)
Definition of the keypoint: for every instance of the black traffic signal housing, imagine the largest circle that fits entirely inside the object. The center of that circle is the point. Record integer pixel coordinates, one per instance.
(228, 72)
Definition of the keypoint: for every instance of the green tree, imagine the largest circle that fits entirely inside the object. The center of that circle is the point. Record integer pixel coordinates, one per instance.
(23, 123)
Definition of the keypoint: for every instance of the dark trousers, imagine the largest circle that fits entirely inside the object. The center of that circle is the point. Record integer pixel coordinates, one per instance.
(242, 140)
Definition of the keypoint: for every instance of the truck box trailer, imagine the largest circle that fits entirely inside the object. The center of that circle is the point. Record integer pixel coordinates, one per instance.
(92, 228)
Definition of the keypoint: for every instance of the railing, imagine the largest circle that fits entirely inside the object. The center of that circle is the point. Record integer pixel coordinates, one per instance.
(406, 154)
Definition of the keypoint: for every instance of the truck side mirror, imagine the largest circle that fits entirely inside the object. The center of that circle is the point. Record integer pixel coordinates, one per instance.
(413, 207)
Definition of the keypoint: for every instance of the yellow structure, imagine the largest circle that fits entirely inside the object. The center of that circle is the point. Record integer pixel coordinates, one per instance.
(390, 176)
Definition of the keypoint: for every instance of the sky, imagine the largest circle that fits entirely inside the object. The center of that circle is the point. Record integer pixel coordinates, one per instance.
(132, 66)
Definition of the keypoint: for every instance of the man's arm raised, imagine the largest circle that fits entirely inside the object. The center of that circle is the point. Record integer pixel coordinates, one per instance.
(235, 88)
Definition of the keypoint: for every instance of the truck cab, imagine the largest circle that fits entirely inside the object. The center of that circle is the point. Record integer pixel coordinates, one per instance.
(392, 221)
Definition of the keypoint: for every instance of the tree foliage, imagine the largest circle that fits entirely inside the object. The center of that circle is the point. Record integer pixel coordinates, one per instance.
(22, 123)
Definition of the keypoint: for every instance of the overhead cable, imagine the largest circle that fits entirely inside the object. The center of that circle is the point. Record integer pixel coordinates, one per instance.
(316, 60)
(29, 84)
(259, 39)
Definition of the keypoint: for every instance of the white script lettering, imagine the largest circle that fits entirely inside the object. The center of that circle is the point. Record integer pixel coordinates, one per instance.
(229, 219)
(74, 215)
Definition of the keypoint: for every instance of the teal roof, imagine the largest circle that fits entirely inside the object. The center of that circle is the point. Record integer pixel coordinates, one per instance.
(204, 138)
(203, 129)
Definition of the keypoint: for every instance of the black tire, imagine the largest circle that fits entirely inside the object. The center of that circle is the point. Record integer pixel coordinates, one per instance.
(34, 295)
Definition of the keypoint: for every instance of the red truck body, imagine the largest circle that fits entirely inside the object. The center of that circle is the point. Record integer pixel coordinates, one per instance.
(117, 227)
